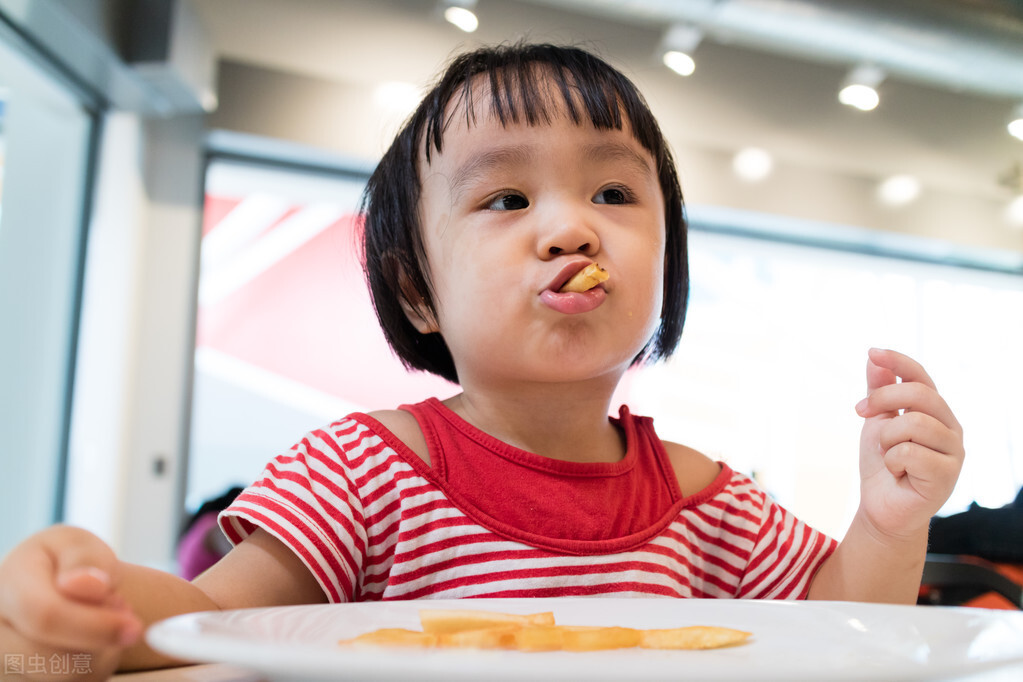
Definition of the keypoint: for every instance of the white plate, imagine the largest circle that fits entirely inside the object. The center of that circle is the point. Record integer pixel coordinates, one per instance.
(791, 641)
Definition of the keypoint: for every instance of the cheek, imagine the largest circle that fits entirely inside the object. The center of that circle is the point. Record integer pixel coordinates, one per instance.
(651, 293)
(651, 254)
(462, 283)
(435, 219)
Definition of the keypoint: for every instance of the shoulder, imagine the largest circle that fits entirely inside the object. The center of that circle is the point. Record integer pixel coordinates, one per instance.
(694, 470)
(405, 428)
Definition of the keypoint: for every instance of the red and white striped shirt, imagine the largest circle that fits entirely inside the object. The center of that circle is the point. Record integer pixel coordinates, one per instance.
(372, 521)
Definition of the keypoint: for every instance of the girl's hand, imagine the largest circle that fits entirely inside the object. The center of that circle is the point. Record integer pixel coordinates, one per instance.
(911, 447)
(61, 616)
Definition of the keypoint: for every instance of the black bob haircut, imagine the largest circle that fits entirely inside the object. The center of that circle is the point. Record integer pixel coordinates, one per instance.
(394, 256)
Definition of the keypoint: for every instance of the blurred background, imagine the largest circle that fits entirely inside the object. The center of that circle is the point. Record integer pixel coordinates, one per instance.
(179, 180)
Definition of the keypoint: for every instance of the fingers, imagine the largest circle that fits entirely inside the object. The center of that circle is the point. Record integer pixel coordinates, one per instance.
(884, 364)
(48, 617)
(84, 583)
(905, 397)
(878, 376)
(916, 392)
(59, 590)
(922, 429)
(83, 564)
(920, 468)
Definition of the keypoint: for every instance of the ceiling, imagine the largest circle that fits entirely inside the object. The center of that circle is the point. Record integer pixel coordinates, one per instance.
(767, 71)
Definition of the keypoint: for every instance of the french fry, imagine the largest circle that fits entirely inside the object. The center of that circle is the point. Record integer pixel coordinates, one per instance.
(400, 637)
(449, 620)
(693, 637)
(583, 638)
(585, 279)
(500, 637)
(539, 638)
(467, 629)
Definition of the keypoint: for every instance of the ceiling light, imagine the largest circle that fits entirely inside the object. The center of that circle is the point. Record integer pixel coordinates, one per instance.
(677, 46)
(899, 190)
(396, 96)
(208, 100)
(1014, 212)
(752, 164)
(459, 13)
(1016, 123)
(860, 88)
(679, 62)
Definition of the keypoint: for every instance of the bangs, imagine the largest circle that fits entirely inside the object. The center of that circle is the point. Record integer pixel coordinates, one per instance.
(535, 86)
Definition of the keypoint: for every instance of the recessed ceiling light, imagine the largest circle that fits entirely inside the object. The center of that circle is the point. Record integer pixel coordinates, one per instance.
(862, 97)
(899, 190)
(396, 96)
(460, 13)
(1014, 212)
(679, 62)
(752, 164)
(462, 18)
(1016, 123)
(677, 46)
(860, 88)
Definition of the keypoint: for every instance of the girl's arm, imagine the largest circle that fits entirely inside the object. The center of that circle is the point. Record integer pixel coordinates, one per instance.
(911, 452)
(260, 571)
(63, 591)
(871, 568)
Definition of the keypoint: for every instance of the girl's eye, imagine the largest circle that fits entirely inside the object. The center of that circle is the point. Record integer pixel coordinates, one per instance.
(508, 202)
(613, 195)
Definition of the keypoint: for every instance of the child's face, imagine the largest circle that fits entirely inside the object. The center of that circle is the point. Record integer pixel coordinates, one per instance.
(508, 214)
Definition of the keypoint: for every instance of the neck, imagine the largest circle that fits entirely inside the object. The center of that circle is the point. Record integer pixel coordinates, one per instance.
(557, 421)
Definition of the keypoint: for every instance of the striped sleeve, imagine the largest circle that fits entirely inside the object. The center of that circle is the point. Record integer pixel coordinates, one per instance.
(785, 556)
(306, 499)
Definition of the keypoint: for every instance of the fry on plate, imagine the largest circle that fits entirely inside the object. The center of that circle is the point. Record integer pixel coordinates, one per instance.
(395, 637)
(537, 632)
(451, 620)
(692, 637)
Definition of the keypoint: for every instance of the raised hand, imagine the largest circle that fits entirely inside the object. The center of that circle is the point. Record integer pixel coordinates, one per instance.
(911, 446)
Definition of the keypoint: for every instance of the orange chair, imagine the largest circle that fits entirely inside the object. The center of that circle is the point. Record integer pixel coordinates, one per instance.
(960, 580)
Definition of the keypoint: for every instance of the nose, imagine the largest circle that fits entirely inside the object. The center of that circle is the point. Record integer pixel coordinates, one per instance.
(568, 232)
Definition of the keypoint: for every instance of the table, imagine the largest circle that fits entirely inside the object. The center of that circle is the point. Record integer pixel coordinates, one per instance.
(212, 672)
(217, 672)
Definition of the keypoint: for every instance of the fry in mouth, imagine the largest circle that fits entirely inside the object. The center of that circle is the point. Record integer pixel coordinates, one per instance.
(585, 279)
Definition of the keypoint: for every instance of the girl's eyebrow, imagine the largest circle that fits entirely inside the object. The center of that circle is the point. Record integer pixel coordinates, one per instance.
(479, 163)
(618, 152)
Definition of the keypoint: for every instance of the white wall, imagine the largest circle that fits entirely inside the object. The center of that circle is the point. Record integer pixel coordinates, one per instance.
(130, 410)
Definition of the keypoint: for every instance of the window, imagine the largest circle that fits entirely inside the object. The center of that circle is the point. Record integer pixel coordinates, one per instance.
(45, 159)
(287, 339)
(772, 363)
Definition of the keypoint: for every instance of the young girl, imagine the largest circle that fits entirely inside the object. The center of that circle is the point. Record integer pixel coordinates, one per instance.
(523, 166)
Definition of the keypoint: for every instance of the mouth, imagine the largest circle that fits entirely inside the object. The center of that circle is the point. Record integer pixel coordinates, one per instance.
(578, 288)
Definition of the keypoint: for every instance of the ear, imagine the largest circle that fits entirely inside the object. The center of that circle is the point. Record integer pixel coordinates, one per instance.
(417, 311)
(420, 315)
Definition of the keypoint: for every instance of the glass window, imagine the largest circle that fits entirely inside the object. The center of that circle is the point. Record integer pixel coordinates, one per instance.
(287, 339)
(45, 154)
(772, 363)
